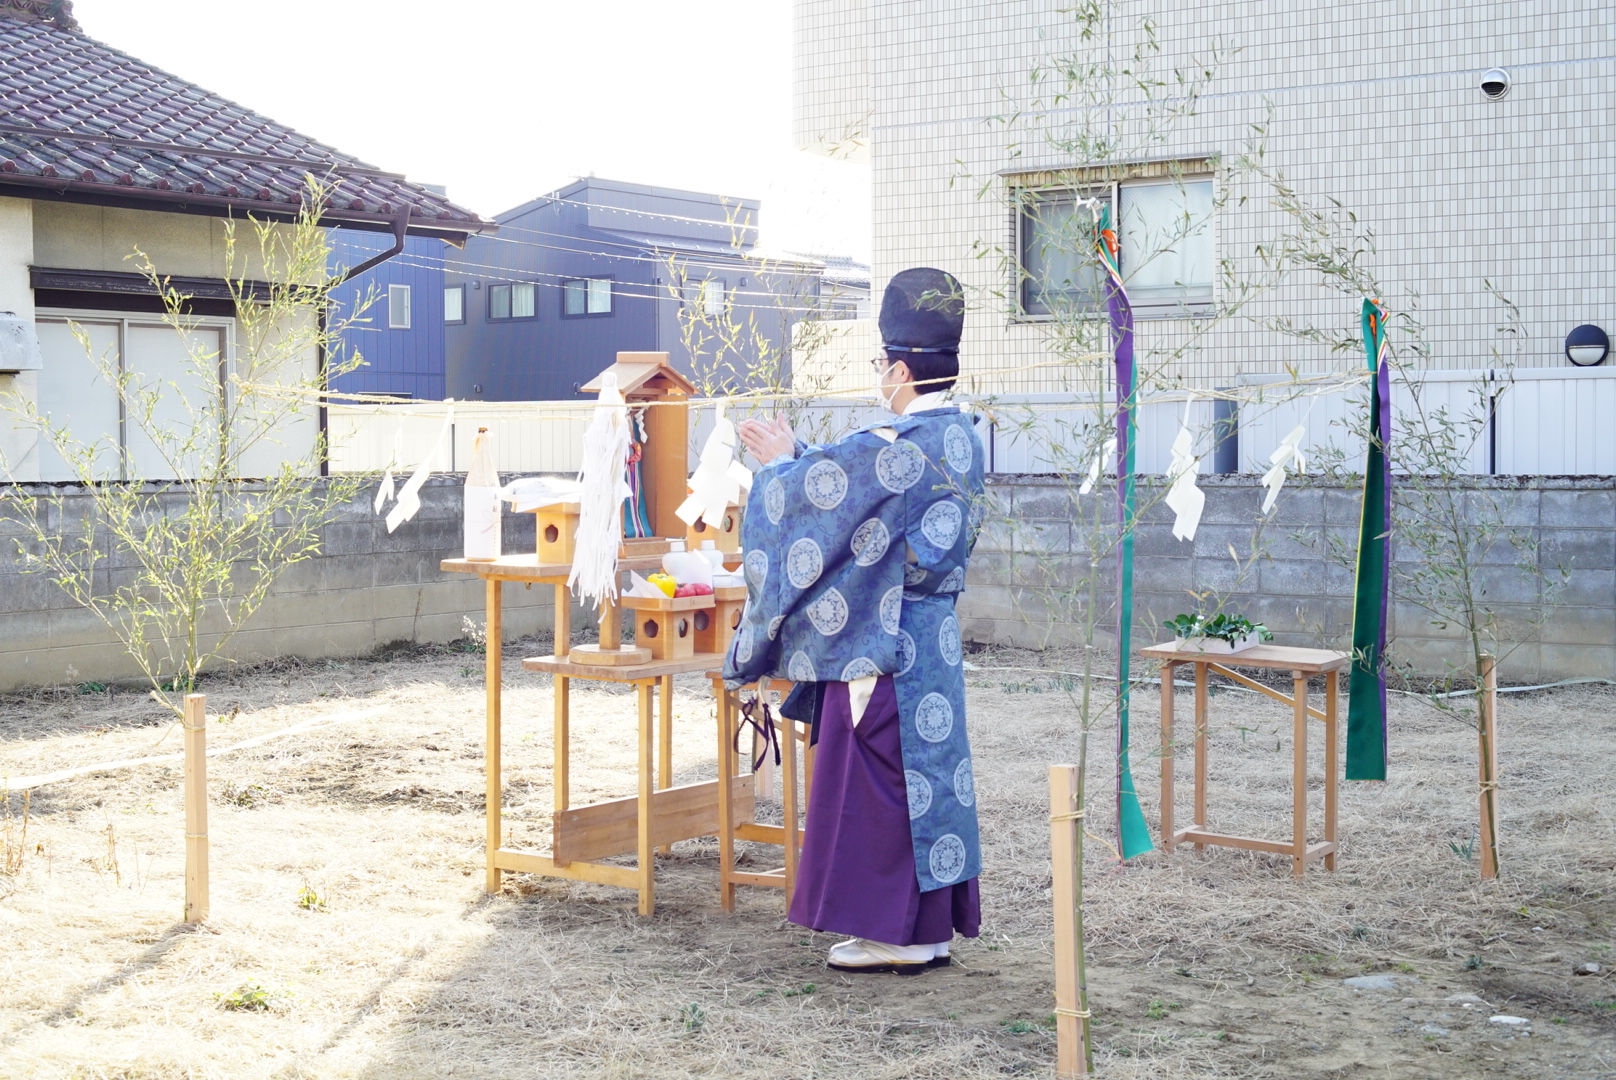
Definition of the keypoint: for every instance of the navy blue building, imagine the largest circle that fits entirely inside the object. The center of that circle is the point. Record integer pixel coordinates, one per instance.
(401, 337)
(601, 267)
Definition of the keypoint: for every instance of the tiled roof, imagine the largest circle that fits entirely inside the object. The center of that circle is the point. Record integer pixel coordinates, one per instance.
(85, 123)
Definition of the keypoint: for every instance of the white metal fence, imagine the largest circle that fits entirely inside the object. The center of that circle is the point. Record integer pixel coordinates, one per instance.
(1541, 421)
(529, 436)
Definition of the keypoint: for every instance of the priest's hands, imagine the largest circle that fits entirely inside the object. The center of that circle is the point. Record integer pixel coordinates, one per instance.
(767, 439)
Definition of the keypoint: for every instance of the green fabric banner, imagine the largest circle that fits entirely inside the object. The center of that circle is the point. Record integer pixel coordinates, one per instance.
(1366, 685)
(1133, 834)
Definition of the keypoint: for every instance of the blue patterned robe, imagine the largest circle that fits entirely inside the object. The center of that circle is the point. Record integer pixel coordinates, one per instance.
(854, 553)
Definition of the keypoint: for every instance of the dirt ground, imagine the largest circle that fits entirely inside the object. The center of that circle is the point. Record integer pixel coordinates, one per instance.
(347, 900)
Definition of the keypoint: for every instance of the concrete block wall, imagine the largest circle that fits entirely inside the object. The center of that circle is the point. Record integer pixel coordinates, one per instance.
(368, 588)
(1028, 572)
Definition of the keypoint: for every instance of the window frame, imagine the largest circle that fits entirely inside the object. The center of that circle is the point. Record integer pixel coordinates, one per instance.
(1112, 191)
(1023, 279)
(395, 289)
(611, 293)
(510, 304)
(125, 321)
(706, 302)
(461, 289)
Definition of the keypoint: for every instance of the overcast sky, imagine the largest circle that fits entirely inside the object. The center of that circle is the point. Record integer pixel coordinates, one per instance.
(503, 100)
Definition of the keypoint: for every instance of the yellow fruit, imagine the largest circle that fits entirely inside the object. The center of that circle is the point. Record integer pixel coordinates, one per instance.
(663, 582)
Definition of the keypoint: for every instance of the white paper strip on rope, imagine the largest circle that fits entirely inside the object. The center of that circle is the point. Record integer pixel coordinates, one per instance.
(719, 480)
(1107, 452)
(1183, 497)
(1288, 454)
(385, 491)
(409, 498)
(604, 483)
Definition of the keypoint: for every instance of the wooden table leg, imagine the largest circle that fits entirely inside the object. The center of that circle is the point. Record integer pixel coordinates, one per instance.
(494, 788)
(763, 775)
(1299, 777)
(1332, 765)
(665, 742)
(1167, 756)
(647, 865)
(561, 755)
(788, 801)
(808, 755)
(562, 645)
(726, 796)
(1200, 749)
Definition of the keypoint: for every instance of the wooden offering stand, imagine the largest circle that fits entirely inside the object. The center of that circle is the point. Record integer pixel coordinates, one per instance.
(1303, 664)
(658, 814)
(715, 629)
(726, 536)
(664, 626)
(735, 817)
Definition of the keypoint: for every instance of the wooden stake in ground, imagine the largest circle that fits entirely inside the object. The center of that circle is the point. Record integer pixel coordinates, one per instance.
(194, 721)
(1488, 729)
(1072, 1053)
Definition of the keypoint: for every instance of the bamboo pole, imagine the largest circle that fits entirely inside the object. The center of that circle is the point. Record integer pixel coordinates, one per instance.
(194, 721)
(1072, 1053)
(1488, 729)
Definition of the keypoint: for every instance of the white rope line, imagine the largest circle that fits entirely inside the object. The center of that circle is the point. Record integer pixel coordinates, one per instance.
(1310, 386)
(23, 783)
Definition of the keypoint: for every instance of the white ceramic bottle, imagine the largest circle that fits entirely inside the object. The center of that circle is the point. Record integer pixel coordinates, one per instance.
(482, 508)
(687, 567)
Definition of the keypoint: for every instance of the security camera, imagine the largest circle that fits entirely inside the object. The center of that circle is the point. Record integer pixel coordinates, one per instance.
(1495, 84)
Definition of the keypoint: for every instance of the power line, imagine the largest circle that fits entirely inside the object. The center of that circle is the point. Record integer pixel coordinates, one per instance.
(507, 278)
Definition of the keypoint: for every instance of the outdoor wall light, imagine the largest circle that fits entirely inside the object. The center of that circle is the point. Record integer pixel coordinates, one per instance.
(1494, 84)
(1587, 345)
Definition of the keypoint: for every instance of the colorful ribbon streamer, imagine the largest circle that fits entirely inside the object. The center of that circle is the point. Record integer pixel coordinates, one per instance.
(1133, 835)
(1366, 681)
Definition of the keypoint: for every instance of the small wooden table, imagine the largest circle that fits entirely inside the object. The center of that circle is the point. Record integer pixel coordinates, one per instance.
(659, 813)
(1303, 664)
(734, 819)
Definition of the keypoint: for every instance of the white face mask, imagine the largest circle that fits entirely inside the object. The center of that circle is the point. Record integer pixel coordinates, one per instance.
(883, 394)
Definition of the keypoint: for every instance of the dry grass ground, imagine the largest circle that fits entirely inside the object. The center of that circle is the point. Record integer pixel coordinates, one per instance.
(395, 965)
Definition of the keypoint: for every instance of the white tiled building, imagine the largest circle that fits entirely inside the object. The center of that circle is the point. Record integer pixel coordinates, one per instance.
(1376, 103)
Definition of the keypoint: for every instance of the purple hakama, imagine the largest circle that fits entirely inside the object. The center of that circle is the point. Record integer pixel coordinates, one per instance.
(857, 874)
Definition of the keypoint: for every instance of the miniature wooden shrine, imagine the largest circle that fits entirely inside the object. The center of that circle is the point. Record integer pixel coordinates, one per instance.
(673, 636)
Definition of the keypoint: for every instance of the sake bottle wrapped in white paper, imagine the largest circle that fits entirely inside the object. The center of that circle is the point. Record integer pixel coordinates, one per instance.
(482, 508)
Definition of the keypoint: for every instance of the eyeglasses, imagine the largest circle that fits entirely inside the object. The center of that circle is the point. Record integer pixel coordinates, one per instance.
(880, 363)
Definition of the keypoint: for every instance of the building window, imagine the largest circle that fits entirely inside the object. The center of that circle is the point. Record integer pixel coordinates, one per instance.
(454, 304)
(712, 296)
(1164, 240)
(511, 301)
(398, 307)
(586, 296)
